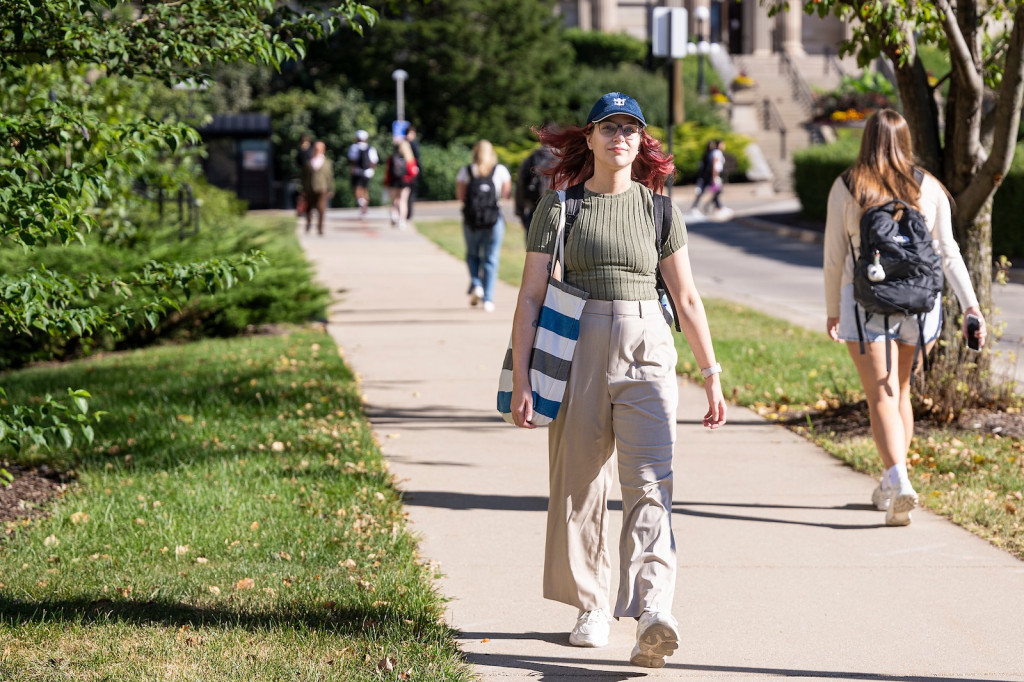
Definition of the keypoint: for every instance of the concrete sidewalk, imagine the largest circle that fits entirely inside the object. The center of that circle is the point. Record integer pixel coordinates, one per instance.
(785, 570)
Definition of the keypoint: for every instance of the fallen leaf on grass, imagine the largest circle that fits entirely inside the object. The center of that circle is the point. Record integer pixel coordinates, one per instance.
(214, 590)
(245, 584)
(79, 517)
(387, 663)
(51, 541)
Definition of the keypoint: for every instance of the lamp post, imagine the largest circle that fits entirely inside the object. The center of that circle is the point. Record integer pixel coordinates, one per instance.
(701, 13)
(400, 77)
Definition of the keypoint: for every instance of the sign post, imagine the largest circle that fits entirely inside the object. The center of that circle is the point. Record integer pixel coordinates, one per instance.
(668, 39)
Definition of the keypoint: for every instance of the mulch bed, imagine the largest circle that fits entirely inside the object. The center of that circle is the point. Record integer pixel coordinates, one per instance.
(31, 492)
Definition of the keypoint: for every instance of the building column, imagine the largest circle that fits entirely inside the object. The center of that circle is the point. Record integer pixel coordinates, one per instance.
(584, 15)
(606, 16)
(792, 23)
(758, 38)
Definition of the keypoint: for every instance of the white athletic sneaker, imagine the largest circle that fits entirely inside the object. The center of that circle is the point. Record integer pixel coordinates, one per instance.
(902, 499)
(591, 629)
(475, 295)
(488, 306)
(657, 636)
(880, 495)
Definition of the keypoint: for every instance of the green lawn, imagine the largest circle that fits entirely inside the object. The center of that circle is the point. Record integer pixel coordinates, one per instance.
(233, 520)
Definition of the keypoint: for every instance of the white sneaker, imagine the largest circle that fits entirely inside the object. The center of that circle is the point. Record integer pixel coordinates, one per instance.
(902, 499)
(488, 306)
(591, 629)
(657, 636)
(880, 496)
(475, 295)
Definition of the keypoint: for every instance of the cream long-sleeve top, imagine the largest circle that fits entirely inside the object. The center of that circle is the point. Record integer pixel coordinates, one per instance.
(843, 224)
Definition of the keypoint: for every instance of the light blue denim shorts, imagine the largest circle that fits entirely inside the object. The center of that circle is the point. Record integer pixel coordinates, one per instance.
(902, 328)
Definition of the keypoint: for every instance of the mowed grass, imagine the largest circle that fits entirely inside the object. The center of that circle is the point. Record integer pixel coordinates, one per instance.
(790, 374)
(233, 520)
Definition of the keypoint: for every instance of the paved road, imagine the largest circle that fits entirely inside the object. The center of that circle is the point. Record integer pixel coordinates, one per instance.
(785, 570)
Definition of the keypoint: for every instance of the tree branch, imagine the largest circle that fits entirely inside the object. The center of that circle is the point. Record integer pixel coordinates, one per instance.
(959, 51)
(1009, 98)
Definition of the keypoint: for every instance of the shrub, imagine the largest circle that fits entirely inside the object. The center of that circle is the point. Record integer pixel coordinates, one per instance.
(600, 50)
(282, 291)
(1007, 237)
(815, 168)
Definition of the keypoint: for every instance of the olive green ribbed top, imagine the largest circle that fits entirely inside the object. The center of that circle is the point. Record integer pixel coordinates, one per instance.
(611, 252)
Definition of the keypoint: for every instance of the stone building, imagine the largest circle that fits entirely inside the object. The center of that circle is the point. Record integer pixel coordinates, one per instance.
(740, 26)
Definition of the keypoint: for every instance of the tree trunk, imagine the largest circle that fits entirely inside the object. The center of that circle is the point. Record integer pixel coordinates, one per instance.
(958, 377)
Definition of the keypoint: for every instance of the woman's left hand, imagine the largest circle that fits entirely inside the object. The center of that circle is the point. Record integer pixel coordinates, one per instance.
(982, 327)
(715, 416)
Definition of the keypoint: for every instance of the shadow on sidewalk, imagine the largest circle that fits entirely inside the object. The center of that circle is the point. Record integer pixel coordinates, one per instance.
(684, 508)
(549, 669)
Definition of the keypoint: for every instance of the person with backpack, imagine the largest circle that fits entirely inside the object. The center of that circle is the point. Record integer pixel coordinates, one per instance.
(621, 393)
(532, 182)
(479, 186)
(888, 244)
(399, 174)
(705, 172)
(363, 160)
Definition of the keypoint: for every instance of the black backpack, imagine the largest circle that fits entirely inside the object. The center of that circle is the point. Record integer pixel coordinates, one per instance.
(896, 271)
(480, 210)
(398, 168)
(364, 162)
(662, 217)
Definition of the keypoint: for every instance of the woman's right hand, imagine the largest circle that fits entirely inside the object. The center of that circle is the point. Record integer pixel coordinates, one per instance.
(832, 327)
(522, 403)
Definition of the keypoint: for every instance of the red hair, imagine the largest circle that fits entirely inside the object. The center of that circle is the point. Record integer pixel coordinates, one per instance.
(575, 164)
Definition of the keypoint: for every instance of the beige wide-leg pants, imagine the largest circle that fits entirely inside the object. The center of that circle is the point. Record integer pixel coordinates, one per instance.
(621, 397)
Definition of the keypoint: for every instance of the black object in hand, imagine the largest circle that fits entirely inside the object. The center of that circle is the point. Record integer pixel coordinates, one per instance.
(973, 325)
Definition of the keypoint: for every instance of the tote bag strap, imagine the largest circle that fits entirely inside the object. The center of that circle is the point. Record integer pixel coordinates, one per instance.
(558, 253)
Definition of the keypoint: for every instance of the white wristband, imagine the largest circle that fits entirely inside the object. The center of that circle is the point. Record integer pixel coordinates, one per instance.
(711, 371)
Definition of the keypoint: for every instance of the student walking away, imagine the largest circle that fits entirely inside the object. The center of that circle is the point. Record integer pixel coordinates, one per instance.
(479, 186)
(363, 160)
(319, 186)
(889, 313)
(532, 181)
(414, 188)
(621, 392)
(399, 174)
(704, 173)
(302, 155)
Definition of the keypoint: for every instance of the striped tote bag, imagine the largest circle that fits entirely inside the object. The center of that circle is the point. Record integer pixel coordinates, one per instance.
(558, 329)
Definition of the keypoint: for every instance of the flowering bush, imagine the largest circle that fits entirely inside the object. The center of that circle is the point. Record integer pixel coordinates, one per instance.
(742, 81)
(855, 99)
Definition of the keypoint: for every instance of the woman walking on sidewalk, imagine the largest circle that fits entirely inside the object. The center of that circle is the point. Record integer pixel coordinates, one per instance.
(622, 390)
(479, 186)
(884, 171)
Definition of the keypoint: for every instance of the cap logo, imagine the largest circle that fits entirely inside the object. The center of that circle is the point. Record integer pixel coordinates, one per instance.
(619, 101)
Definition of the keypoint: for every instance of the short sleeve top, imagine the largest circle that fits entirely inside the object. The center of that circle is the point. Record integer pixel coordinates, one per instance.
(611, 250)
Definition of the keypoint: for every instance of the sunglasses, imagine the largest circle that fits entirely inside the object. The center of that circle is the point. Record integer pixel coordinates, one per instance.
(609, 129)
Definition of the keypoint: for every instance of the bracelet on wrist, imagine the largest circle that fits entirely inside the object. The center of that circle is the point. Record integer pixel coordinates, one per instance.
(711, 371)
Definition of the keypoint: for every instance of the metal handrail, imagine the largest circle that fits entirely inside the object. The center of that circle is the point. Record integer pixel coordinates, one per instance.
(801, 91)
(772, 120)
(832, 63)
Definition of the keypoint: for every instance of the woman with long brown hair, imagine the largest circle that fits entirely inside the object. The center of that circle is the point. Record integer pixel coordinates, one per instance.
(622, 393)
(884, 171)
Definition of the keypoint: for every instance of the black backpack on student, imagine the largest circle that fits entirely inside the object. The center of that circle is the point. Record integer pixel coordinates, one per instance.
(480, 210)
(398, 168)
(896, 271)
(662, 218)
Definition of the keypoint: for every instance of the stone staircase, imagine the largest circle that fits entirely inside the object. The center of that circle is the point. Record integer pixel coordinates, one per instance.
(776, 111)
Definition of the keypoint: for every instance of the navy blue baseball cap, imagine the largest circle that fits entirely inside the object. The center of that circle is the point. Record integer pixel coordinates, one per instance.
(616, 103)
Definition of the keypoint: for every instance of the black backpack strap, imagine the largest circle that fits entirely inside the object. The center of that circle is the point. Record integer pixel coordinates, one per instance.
(663, 220)
(573, 198)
